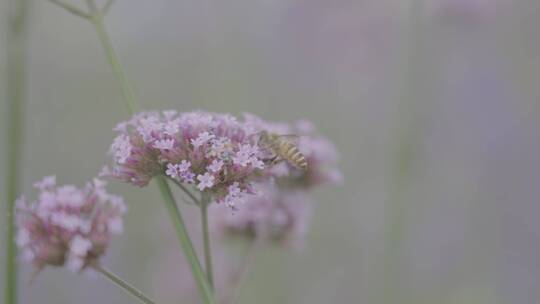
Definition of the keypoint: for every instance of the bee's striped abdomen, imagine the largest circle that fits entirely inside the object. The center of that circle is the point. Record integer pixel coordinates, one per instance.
(291, 153)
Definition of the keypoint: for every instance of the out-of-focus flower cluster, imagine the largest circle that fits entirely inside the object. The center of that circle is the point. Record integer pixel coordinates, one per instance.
(277, 216)
(68, 225)
(215, 153)
(282, 212)
(321, 156)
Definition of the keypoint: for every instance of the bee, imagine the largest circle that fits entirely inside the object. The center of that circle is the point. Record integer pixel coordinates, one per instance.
(284, 148)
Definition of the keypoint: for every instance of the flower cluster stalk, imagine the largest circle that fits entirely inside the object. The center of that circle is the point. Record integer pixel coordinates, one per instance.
(205, 201)
(15, 87)
(185, 241)
(405, 139)
(129, 97)
(122, 284)
(96, 17)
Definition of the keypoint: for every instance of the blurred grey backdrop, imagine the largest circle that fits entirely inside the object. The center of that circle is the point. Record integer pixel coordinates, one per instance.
(434, 108)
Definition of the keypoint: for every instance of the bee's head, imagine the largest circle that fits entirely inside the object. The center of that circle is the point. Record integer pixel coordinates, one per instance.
(264, 137)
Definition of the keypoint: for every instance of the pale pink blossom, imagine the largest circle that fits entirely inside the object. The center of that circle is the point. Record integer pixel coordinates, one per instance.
(280, 216)
(67, 224)
(172, 170)
(215, 166)
(164, 144)
(205, 181)
(184, 166)
(203, 138)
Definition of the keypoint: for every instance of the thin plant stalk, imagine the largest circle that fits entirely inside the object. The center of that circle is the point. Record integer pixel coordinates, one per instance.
(187, 246)
(205, 201)
(186, 191)
(15, 88)
(405, 141)
(96, 17)
(123, 284)
(239, 280)
(174, 212)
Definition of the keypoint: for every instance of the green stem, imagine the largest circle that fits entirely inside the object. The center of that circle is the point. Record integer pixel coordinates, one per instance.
(239, 280)
(123, 284)
(72, 9)
(174, 212)
(15, 80)
(96, 17)
(186, 191)
(127, 92)
(205, 201)
(403, 156)
(187, 246)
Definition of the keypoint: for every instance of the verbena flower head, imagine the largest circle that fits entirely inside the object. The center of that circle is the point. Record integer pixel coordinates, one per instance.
(215, 153)
(68, 225)
(277, 216)
(282, 212)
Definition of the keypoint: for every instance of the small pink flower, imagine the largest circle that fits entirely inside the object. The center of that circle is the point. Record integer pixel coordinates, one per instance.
(121, 148)
(205, 181)
(80, 246)
(172, 128)
(215, 166)
(247, 154)
(203, 138)
(172, 170)
(184, 166)
(187, 177)
(47, 182)
(164, 144)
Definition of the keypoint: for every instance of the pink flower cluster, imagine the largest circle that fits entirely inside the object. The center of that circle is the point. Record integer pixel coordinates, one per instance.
(283, 210)
(220, 155)
(278, 216)
(213, 152)
(68, 225)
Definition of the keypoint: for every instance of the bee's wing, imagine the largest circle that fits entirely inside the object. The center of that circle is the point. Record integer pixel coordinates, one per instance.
(290, 137)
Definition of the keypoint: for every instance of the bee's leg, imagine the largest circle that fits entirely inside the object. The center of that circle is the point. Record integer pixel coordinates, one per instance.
(276, 160)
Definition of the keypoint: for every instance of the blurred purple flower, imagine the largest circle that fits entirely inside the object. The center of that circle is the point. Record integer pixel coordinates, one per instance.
(277, 216)
(282, 209)
(67, 224)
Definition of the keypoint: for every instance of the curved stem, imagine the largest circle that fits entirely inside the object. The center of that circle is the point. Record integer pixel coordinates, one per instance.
(72, 9)
(186, 191)
(127, 92)
(15, 89)
(174, 212)
(123, 284)
(205, 201)
(107, 7)
(240, 278)
(185, 242)
(403, 155)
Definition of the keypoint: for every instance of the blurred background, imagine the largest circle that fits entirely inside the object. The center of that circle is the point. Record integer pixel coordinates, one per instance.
(433, 106)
